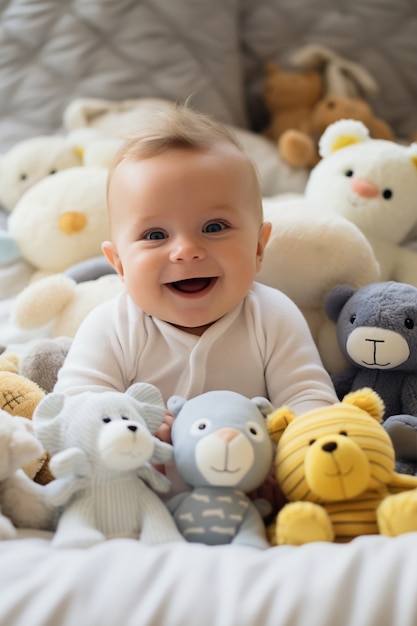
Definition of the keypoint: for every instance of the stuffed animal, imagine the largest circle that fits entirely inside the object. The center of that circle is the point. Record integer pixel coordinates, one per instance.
(299, 147)
(307, 254)
(30, 161)
(335, 465)
(221, 450)
(377, 332)
(102, 445)
(62, 301)
(22, 503)
(62, 220)
(289, 96)
(41, 359)
(372, 183)
(19, 396)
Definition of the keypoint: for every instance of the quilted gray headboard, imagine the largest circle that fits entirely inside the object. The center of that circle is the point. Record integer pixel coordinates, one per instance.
(53, 51)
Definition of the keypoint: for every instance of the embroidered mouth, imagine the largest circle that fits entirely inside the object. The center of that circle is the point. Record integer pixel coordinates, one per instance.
(193, 285)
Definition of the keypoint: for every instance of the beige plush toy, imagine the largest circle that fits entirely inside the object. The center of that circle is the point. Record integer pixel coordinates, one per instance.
(19, 397)
(61, 301)
(61, 220)
(307, 253)
(299, 148)
(289, 96)
(373, 184)
(30, 161)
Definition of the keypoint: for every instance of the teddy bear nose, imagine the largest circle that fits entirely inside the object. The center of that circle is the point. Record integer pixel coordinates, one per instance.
(72, 222)
(330, 446)
(132, 428)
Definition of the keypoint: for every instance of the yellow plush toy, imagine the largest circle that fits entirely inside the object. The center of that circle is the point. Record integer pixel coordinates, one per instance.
(335, 465)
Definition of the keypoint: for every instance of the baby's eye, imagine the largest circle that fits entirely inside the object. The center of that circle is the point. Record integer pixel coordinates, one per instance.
(215, 227)
(154, 235)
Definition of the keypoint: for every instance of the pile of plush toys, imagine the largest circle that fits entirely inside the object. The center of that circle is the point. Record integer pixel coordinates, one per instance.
(338, 249)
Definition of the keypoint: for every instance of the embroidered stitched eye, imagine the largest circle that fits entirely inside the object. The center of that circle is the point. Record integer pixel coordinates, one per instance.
(254, 431)
(343, 433)
(409, 323)
(106, 420)
(200, 427)
(124, 417)
(352, 319)
(387, 194)
(310, 443)
(23, 176)
(52, 172)
(349, 173)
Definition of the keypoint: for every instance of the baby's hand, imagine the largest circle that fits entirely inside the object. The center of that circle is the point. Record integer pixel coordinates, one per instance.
(164, 434)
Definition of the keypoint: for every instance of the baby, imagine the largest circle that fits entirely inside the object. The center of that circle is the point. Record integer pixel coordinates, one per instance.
(187, 239)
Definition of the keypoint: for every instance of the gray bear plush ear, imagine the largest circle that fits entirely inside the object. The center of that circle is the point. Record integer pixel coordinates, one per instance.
(335, 300)
(47, 426)
(175, 404)
(263, 405)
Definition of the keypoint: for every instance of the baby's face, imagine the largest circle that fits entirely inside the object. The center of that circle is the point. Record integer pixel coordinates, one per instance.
(187, 236)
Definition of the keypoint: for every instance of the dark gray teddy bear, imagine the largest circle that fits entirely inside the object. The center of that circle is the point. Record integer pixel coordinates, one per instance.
(377, 332)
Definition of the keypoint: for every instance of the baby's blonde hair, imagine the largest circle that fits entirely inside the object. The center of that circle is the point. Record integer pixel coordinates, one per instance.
(176, 126)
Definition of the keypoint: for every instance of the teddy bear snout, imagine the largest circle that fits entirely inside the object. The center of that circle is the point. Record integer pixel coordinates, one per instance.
(364, 188)
(227, 434)
(330, 446)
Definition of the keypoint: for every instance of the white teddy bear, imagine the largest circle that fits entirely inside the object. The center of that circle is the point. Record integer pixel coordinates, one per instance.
(22, 502)
(372, 183)
(30, 161)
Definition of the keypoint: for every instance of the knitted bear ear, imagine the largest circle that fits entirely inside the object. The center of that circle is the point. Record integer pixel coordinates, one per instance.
(335, 300)
(45, 420)
(367, 400)
(152, 407)
(277, 422)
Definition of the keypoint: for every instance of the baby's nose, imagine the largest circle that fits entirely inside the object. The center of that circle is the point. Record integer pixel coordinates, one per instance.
(187, 249)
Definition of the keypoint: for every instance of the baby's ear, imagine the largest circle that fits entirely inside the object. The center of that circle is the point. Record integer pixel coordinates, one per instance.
(110, 252)
(264, 235)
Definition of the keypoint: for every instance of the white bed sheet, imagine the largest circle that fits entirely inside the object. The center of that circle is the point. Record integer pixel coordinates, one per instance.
(370, 582)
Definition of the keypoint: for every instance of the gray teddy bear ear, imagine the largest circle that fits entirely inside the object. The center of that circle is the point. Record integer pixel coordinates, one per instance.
(335, 300)
(263, 405)
(175, 404)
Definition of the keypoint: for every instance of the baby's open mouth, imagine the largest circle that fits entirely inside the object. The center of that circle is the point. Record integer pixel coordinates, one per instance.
(193, 285)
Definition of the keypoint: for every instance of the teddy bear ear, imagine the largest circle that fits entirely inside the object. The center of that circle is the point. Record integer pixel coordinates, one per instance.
(263, 405)
(412, 151)
(368, 400)
(341, 134)
(47, 426)
(175, 404)
(335, 300)
(152, 407)
(277, 422)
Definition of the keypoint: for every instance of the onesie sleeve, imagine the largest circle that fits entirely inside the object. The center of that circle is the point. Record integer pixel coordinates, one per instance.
(294, 373)
(97, 357)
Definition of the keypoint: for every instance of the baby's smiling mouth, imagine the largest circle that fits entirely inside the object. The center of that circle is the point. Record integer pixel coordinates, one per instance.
(193, 285)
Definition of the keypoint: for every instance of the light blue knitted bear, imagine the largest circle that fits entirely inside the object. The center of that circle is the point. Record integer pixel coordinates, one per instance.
(101, 446)
(222, 449)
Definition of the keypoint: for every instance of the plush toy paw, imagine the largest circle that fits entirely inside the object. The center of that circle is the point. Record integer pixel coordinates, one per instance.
(303, 522)
(7, 530)
(297, 149)
(397, 514)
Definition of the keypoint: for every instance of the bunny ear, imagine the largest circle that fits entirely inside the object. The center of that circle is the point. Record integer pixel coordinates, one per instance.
(46, 423)
(341, 134)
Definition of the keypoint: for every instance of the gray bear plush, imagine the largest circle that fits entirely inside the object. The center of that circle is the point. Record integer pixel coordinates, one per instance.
(223, 451)
(377, 332)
